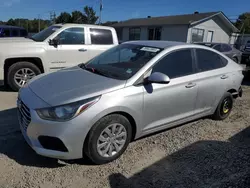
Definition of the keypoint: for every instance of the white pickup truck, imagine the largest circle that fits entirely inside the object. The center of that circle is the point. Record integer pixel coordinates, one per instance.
(58, 46)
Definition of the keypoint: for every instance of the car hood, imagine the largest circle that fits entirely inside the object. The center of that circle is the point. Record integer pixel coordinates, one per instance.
(15, 39)
(72, 84)
(19, 47)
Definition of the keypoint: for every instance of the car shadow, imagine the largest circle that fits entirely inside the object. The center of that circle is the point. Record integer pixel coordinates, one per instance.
(5, 89)
(202, 164)
(13, 145)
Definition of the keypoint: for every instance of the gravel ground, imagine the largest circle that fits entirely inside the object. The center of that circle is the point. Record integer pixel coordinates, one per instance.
(203, 153)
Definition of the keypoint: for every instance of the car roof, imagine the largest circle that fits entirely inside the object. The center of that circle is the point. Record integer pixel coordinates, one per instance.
(10, 27)
(87, 25)
(156, 43)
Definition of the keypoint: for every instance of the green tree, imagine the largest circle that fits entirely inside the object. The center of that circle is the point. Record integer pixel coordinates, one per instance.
(89, 15)
(30, 25)
(77, 17)
(64, 17)
(11, 22)
(243, 22)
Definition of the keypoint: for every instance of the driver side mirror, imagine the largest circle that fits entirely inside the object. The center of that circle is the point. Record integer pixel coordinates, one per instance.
(54, 42)
(158, 78)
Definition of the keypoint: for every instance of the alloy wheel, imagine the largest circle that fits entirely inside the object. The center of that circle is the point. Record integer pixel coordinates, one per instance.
(111, 140)
(22, 76)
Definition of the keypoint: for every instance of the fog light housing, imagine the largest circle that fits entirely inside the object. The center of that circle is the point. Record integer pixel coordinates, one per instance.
(52, 143)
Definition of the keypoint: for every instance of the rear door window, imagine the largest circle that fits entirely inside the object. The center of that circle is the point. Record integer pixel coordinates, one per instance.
(101, 36)
(208, 60)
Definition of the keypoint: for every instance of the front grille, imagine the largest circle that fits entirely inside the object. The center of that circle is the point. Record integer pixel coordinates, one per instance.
(24, 115)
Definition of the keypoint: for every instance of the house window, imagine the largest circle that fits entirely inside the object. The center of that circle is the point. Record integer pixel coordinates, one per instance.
(197, 35)
(134, 34)
(154, 33)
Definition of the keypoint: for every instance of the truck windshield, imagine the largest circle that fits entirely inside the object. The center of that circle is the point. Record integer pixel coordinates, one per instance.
(41, 36)
(123, 61)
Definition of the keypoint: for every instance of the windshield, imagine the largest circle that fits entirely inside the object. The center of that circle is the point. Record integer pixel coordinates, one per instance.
(41, 36)
(123, 61)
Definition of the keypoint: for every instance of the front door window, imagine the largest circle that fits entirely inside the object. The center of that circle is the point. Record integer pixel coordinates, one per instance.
(71, 36)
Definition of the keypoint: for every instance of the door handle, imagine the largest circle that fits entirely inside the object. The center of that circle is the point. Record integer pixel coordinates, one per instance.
(82, 50)
(190, 85)
(224, 77)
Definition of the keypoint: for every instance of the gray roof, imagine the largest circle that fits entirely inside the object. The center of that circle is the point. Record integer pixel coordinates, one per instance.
(155, 43)
(165, 20)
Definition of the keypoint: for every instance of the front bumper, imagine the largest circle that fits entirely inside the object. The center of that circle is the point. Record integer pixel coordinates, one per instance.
(71, 133)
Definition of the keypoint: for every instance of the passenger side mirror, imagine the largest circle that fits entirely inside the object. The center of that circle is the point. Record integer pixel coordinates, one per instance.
(158, 78)
(53, 42)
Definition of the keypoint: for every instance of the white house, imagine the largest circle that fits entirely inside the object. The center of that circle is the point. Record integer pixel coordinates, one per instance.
(197, 27)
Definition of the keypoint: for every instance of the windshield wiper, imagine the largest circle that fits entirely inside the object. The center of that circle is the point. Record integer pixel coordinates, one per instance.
(93, 70)
(83, 66)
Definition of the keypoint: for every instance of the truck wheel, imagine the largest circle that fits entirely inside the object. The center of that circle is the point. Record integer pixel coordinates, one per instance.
(20, 73)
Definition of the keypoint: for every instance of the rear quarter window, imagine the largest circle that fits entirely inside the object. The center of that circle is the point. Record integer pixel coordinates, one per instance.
(101, 36)
(226, 48)
(209, 60)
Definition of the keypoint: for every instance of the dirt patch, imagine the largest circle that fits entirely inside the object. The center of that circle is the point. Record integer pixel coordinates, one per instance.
(204, 153)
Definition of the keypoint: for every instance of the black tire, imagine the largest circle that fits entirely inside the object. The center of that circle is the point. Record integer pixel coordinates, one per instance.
(16, 67)
(90, 146)
(223, 112)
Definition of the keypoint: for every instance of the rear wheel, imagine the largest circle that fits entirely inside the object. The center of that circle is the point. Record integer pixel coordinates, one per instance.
(224, 108)
(108, 139)
(20, 73)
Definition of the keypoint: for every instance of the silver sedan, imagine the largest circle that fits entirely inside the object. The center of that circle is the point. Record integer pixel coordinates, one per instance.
(132, 90)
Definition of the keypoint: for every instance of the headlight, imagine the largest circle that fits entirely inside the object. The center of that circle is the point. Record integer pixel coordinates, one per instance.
(66, 112)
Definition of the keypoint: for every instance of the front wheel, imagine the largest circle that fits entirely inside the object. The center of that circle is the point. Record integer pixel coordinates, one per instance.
(108, 139)
(20, 73)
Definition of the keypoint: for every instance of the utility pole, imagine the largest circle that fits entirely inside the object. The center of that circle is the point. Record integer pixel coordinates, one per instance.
(39, 26)
(52, 17)
(100, 17)
(242, 34)
(27, 26)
